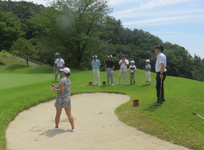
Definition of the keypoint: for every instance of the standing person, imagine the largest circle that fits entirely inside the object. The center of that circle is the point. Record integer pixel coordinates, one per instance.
(59, 63)
(63, 99)
(123, 68)
(132, 69)
(160, 69)
(147, 72)
(109, 67)
(95, 65)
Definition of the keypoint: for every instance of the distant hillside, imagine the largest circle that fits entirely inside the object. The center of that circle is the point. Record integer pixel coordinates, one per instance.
(78, 36)
(23, 11)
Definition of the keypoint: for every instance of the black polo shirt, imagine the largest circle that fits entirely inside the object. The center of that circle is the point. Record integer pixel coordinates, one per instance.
(110, 64)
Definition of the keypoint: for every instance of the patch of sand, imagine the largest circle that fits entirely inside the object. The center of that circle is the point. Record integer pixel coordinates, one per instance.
(98, 128)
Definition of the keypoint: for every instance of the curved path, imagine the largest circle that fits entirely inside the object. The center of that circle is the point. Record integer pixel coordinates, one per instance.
(98, 128)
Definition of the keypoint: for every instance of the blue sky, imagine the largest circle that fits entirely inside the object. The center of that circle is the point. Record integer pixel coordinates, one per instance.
(177, 21)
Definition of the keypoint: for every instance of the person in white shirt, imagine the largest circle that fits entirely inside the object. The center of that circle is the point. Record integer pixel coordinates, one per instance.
(132, 69)
(123, 68)
(160, 69)
(59, 63)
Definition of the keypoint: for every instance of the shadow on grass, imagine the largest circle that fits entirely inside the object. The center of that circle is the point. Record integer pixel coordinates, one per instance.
(15, 67)
(151, 108)
(144, 85)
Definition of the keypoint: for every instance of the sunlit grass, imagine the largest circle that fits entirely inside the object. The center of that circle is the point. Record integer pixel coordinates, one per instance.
(22, 88)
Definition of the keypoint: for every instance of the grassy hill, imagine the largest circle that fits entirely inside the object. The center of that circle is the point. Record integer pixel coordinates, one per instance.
(8, 60)
(22, 88)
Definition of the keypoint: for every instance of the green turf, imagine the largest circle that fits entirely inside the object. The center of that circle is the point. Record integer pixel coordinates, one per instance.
(23, 87)
(8, 59)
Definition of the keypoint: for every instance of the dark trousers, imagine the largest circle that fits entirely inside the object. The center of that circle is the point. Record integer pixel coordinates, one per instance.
(158, 86)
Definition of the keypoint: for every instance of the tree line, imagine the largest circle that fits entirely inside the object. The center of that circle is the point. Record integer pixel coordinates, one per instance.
(78, 30)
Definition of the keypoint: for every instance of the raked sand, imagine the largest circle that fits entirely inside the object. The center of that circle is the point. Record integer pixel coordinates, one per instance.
(98, 128)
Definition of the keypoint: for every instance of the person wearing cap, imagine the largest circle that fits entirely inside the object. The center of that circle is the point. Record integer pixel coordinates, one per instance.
(147, 72)
(132, 69)
(160, 69)
(109, 67)
(123, 68)
(95, 65)
(59, 63)
(63, 99)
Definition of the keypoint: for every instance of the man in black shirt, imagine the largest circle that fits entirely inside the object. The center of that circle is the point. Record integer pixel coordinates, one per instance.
(109, 67)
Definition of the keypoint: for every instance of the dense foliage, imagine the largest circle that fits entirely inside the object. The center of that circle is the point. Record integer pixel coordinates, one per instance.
(79, 29)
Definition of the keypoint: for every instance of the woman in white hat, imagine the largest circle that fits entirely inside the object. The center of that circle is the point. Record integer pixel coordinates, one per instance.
(63, 99)
(147, 72)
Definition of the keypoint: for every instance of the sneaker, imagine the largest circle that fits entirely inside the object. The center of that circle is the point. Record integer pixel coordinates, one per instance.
(157, 104)
(112, 83)
(55, 128)
(74, 129)
(99, 84)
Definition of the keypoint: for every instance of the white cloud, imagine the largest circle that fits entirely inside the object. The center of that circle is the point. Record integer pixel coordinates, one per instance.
(150, 4)
(161, 21)
(122, 15)
(159, 3)
(120, 2)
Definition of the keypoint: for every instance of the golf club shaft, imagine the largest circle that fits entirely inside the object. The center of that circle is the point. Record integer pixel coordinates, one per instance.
(160, 93)
(198, 115)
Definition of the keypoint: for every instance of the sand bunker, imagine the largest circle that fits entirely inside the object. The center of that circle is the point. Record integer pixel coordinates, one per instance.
(98, 128)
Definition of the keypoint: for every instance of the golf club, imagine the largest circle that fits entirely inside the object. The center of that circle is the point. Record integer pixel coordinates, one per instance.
(198, 115)
(160, 93)
(54, 69)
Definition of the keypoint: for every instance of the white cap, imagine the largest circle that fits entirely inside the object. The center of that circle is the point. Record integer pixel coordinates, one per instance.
(147, 60)
(110, 56)
(132, 61)
(95, 56)
(65, 70)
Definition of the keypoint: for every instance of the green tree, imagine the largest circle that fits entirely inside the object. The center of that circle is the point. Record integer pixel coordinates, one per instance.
(23, 11)
(10, 30)
(198, 69)
(71, 28)
(24, 49)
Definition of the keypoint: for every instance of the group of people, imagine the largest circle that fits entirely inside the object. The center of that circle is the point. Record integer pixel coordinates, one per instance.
(160, 69)
(110, 66)
(63, 99)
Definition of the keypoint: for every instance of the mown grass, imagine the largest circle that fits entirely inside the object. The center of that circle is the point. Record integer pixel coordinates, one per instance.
(173, 121)
(7, 59)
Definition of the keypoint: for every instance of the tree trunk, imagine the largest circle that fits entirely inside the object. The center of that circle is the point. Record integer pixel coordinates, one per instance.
(78, 65)
(27, 61)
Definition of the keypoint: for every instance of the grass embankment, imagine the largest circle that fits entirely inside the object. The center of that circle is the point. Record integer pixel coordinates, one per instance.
(173, 121)
(8, 59)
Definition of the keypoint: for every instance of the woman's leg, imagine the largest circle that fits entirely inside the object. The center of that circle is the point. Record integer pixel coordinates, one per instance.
(57, 117)
(69, 115)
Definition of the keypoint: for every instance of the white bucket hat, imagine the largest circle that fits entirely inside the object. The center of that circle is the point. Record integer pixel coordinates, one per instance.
(65, 70)
(147, 60)
(132, 61)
